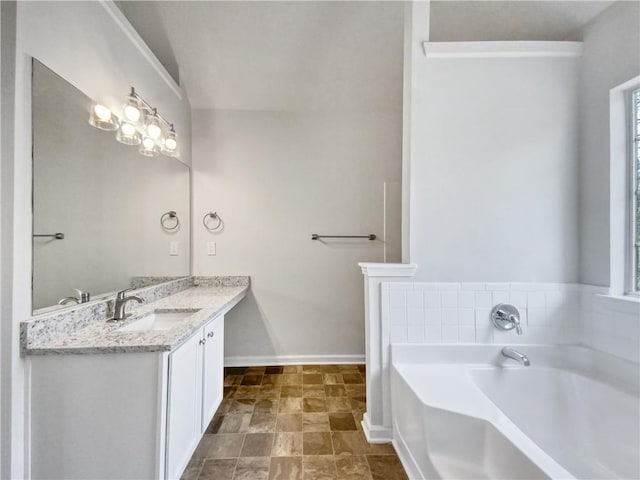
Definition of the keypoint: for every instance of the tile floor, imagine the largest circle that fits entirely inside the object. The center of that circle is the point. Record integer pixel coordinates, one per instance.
(298, 422)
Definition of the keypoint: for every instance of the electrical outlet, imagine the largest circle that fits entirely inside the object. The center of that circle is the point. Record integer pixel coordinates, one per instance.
(211, 248)
(173, 248)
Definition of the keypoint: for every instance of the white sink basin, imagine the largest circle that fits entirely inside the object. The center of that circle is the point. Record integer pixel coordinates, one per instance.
(158, 320)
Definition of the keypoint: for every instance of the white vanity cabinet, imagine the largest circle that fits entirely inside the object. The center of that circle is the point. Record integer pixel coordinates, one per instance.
(124, 415)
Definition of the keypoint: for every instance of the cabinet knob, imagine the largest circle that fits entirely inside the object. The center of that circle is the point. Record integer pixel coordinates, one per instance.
(202, 341)
(210, 334)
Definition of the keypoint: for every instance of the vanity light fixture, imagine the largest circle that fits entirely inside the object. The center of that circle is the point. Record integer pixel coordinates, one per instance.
(141, 125)
(101, 117)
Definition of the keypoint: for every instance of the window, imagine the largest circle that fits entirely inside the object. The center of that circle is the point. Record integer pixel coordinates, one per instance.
(635, 193)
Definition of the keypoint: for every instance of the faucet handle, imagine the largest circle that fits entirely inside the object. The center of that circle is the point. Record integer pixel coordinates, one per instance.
(120, 295)
(83, 296)
(506, 317)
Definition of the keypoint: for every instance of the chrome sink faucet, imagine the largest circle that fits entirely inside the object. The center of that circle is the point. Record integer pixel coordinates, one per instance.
(120, 304)
(516, 355)
(83, 297)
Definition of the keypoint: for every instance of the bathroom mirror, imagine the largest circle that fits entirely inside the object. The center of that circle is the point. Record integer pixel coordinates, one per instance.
(104, 198)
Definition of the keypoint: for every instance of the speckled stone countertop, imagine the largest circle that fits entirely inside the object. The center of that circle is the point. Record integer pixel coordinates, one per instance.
(104, 337)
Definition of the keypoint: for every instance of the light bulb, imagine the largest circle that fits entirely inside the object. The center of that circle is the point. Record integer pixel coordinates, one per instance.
(170, 144)
(128, 129)
(102, 112)
(131, 112)
(153, 130)
(148, 143)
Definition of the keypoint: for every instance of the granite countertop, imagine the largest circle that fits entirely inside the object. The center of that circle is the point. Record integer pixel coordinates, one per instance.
(104, 337)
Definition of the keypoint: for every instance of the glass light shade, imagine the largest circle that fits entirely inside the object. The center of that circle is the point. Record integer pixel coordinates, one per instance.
(149, 148)
(102, 118)
(152, 126)
(132, 110)
(170, 146)
(128, 134)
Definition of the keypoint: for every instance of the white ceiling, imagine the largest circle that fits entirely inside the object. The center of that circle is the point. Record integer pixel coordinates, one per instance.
(488, 20)
(279, 55)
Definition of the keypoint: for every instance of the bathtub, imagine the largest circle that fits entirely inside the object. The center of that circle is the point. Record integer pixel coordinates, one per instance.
(465, 411)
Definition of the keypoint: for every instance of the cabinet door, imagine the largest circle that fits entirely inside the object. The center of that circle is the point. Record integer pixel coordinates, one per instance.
(184, 407)
(213, 371)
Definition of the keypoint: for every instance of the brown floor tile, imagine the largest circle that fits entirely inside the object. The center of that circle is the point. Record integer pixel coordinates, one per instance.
(353, 468)
(356, 390)
(215, 424)
(252, 469)
(292, 379)
(290, 405)
(333, 379)
(269, 391)
(349, 368)
(318, 468)
(229, 392)
(380, 448)
(247, 391)
(266, 405)
(221, 469)
(335, 391)
(272, 379)
(312, 369)
(242, 405)
(262, 423)
(312, 378)
(224, 406)
(234, 371)
(352, 378)
(314, 405)
(225, 446)
(289, 422)
(274, 370)
(338, 404)
(255, 371)
(358, 404)
(251, 380)
(287, 444)
(342, 421)
(313, 391)
(237, 423)
(292, 369)
(202, 450)
(230, 380)
(362, 368)
(257, 445)
(285, 468)
(192, 470)
(315, 422)
(348, 443)
(291, 391)
(330, 369)
(317, 443)
(386, 467)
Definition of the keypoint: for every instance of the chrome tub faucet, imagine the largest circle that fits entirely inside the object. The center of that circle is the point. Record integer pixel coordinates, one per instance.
(516, 355)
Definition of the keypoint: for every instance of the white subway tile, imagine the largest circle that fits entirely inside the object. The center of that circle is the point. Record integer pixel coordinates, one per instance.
(499, 297)
(450, 316)
(504, 287)
(483, 317)
(433, 333)
(536, 300)
(449, 299)
(414, 299)
(433, 315)
(450, 334)
(415, 333)
(466, 299)
(432, 299)
(537, 316)
(415, 315)
(483, 299)
(466, 316)
(397, 299)
(448, 287)
(466, 334)
(472, 286)
(484, 333)
(554, 301)
(427, 287)
(398, 316)
(518, 299)
(398, 333)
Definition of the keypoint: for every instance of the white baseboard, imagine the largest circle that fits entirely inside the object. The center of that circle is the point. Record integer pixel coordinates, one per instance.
(376, 433)
(292, 360)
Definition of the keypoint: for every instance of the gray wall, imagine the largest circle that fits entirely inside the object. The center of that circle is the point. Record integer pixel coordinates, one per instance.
(275, 178)
(611, 57)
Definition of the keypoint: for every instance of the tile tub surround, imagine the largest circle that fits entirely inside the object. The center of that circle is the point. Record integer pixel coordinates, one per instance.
(85, 330)
(292, 422)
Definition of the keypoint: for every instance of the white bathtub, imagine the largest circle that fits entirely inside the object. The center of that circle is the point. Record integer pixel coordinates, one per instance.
(465, 411)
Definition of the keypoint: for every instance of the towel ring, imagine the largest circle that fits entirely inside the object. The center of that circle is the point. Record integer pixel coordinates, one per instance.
(166, 218)
(215, 216)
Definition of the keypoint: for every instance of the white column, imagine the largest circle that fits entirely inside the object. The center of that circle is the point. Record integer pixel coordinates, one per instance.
(377, 419)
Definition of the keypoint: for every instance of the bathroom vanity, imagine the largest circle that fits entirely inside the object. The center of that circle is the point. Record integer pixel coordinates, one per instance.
(129, 399)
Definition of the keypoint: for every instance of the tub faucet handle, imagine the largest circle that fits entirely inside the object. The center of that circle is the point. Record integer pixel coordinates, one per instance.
(506, 317)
